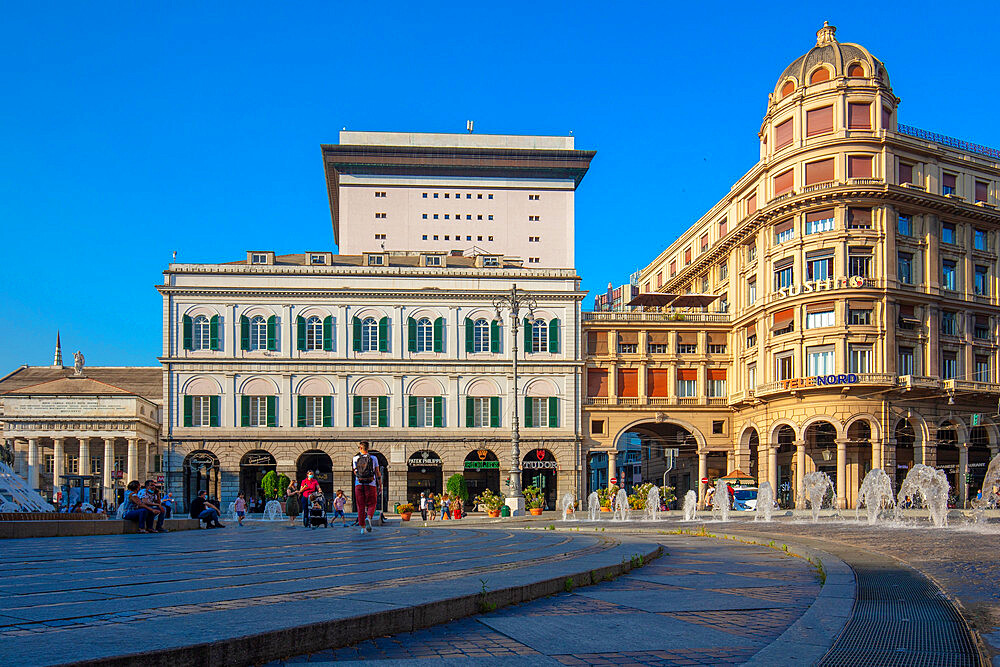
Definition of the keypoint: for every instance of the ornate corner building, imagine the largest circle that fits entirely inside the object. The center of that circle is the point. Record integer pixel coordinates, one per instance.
(855, 325)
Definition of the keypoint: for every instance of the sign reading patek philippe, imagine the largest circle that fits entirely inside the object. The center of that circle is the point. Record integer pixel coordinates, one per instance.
(820, 381)
(810, 286)
(424, 460)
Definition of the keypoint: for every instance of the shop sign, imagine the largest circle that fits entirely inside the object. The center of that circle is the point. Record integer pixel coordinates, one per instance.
(258, 460)
(482, 465)
(158, 479)
(810, 286)
(424, 459)
(539, 465)
(820, 381)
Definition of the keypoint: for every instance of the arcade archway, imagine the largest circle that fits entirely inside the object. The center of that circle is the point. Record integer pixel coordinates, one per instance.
(424, 473)
(253, 466)
(322, 467)
(482, 471)
(201, 473)
(538, 468)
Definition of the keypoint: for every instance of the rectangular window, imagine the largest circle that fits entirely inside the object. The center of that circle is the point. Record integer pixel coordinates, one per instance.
(49, 463)
(658, 348)
(751, 253)
(673, 268)
(819, 361)
(687, 256)
(859, 262)
(704, 242)
(258, 410)
(687, 383)
(948, 183)
(717, 388)
(784, 182)
(784, 276)
(949, 326)
(368, 414)
(905, 173)
(982, 191)
(904, 268)
(424, 412)
(722, 228)
(982, 369)
(201, 411)
(979, 240)
(258, 258)
(982, 280)
(481, 411)
(819, 269)
(948, 233)
(783, 367)
(819, 221)
(317, 259)
(540, 411)
(859, 218)
(751, 291)
(860, 359)
(751, 203)
(905, 365)
(687, 348)
(659, 279)
(859, 115)
(981, 329)
(375, 260)
(818, 319)
(820, 171)
(752, 376)
(859, 316)
(949, 366)
(819, 121)
(72, 464)
(859, 166)
(723, 272)
(313, 410)
(717, 348)
(784, 231)
(783, 134)
(783, 322)
(904, 225)
(948, 274)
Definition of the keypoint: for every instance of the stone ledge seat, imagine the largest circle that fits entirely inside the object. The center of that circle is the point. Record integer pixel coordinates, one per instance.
(22, 528)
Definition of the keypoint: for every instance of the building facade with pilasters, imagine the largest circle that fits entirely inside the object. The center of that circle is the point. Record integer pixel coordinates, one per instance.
(856, 266)
(285, 363)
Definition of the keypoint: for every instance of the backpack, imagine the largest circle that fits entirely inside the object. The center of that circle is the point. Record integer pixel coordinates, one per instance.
(365, 470)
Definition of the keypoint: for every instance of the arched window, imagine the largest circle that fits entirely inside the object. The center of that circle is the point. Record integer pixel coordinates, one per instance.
(258, 333)
(855, 70)
(481, 336)
(425, 335)
(822, 74)
(539, 336)
(202, 334)
(314, 333)
(787, 89)
(369, 335)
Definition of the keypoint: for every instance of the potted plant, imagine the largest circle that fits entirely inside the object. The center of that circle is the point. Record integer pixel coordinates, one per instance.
(491, 501)
(405, 510)
(534, 500)
(606, 497)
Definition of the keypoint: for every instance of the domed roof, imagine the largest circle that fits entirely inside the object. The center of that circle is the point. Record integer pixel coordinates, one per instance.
(837, 56)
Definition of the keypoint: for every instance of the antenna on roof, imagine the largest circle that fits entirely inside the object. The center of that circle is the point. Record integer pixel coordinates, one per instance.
(174, 258)
(468, 126)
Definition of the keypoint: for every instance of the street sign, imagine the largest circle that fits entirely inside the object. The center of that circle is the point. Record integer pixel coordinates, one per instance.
(159, 479)
(614, 480)
(704, 480)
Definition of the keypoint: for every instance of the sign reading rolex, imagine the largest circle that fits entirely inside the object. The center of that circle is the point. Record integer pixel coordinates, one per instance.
(482, 459)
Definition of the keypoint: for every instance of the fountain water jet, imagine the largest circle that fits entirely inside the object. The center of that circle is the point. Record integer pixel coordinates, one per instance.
(231, 512)
(765, 502)
(720, 501)
(568, 506)
(816, 484)
(272, 511)
(876, 495)
(931, 486)
(593, 506)
(690, 505)
(621, 506)
(653, 504)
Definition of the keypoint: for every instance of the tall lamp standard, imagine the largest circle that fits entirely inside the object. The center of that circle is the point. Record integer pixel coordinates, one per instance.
(515, 301)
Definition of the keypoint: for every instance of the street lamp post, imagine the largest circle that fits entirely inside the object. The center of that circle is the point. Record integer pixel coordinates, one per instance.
(514, 301)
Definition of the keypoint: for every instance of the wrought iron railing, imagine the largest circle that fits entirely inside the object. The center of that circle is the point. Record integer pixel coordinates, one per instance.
(948, 141)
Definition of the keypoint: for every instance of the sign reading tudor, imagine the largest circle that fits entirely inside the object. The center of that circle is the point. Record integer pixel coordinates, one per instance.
(820, 381)
(539, 459)
(809, 286)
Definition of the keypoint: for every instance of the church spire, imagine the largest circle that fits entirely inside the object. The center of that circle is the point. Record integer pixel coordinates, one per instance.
(58, 359)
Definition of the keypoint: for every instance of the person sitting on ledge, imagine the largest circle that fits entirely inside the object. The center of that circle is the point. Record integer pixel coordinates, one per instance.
(202, 509)
(151, 501)
(134, 509)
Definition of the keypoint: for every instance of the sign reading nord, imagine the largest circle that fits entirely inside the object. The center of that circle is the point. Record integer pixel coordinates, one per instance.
(820, 381)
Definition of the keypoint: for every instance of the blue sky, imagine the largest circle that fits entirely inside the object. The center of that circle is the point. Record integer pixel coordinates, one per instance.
(131, 130)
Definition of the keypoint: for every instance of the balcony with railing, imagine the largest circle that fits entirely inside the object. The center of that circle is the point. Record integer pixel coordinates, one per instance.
(837, 381)
(652, 402)
(971, 386)
(638, 316)
(918, 382)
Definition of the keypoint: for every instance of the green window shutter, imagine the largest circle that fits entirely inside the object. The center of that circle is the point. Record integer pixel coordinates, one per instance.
(494, 337)
(300, 333)
(383, 334)
(356, 334)
(527, 336)
(528, 422)
(188, 338)
(357, 410)
(272, 416)
(412, 411)
(272, 333)
(188, 410)
(213, 333)
(470, 420)
(439, 334)
(553, 412)
(327, 411)
(411, 334)
(438, 411)
(470, 335)
(213, 410)
(554, 335)
(383, 411)
(300, 411)
(244, 332)
(494, 412)
(328, 333)
(244, 410)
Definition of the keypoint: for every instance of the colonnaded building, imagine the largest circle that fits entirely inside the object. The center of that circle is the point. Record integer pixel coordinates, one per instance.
(852, 280)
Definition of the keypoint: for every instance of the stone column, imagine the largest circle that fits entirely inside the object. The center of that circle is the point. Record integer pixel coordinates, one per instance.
(800, 471)
(132, 462)
(58, 464)
(878, 455)
(702, 474)
(33, 463)
(109, 465)
(612, 466)
(147, 469)
(963, 470)
(772, 468)
(841, 473)
(84, 456)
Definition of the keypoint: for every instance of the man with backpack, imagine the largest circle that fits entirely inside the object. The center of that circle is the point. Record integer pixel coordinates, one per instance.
(366, 486)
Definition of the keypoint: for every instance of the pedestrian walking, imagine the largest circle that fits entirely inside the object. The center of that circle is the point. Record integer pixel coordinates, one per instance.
(338, 507)
(445, 507)
(240, 507)
(292, 504)
(307, 487)
(423, 506)
(366, 485)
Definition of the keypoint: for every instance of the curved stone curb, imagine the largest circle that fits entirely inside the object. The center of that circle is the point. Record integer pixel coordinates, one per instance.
(277, 644)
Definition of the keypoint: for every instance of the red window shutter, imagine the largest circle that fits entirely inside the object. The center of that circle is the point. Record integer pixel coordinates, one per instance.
(783, 182)
(716, 374)
(886, 118)
(783, 318)
(673, 268)
(859, 116)
(628, 383)
(905, 173)
(855, 70)
(687, 256)
(722, 228)
(822, 74)
(597, 382)
(783, 134)
(658, 381)
(982, 191)
(687, 373)
(752, 204)
(825, 214)
(819, 121)
(659, 279)
(859, 166)
(859, 218)
(704, 243)
(787, 89)
(819, 172)
(783, 226)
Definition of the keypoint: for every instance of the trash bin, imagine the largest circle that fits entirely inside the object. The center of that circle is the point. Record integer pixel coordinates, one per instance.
(395, 508)
(504, 511)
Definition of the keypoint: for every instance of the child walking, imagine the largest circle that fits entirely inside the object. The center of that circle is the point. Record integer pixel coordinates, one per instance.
(240, 507)
(338, 508)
